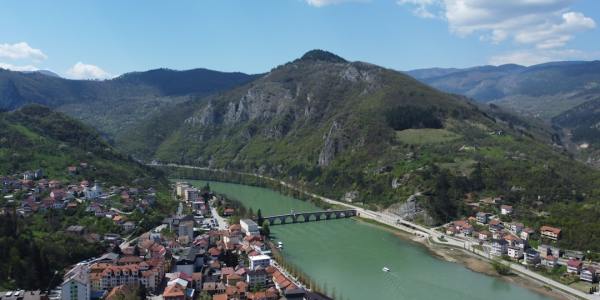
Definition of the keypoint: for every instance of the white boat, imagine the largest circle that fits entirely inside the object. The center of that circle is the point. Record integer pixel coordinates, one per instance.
(385, 269)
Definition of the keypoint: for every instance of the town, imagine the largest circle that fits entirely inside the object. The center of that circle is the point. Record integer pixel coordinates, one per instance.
(194, 254)
(494, 233)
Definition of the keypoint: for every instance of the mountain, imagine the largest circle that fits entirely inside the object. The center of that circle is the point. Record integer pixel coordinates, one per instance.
(543, 90)
(113, 105)
(562, 94)
(374, 136)
(35, 137)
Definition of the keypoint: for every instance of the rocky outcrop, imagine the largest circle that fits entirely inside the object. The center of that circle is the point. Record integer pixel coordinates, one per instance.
(333, 144)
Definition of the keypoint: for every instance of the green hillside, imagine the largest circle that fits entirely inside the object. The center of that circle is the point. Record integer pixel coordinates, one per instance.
(336, 127)
(35, 137)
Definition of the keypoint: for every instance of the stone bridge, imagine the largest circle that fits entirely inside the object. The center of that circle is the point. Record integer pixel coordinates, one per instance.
(300, 217)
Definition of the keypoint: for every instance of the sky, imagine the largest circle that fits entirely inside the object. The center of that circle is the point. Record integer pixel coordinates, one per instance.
(103, 39)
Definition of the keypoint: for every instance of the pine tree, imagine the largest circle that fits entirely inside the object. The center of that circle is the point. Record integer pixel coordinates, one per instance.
(259, 218)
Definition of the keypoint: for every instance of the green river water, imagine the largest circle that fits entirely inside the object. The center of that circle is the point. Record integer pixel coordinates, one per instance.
(348, 255)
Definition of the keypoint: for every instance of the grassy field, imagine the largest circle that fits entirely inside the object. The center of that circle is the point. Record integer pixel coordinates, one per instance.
(425, 136)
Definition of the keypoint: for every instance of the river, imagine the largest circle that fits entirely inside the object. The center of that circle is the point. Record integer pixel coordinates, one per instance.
(347, 256)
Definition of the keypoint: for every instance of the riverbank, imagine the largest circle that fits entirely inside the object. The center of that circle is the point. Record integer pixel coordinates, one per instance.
(469, 260)
(475, 262)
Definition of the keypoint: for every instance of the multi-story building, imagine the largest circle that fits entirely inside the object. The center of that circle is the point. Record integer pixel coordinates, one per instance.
(76, 285)
(549, 232)
(515, 252)
(532, 257)
(499, 247)
(259, 261)
(249, 227)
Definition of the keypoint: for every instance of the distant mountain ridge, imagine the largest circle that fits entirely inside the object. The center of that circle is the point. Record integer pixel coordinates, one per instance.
(524, 89)
(563, 94)
(112, 105)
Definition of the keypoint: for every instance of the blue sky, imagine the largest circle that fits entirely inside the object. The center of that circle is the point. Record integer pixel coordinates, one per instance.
(101, 39)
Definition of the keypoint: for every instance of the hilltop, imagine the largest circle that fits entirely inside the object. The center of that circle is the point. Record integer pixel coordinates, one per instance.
(362, 133)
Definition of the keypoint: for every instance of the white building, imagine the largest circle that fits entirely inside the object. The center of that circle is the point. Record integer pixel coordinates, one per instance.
(515, 252)
(93, 193)
(249, 227)
(76, 285)
(259, 260)
(181, 187)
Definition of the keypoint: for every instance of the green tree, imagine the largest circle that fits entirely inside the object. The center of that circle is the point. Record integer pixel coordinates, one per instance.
(259, 218)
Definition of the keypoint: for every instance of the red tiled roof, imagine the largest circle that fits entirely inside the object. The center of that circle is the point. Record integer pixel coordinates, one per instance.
(550, 229)
(174, 291)
(574, 263)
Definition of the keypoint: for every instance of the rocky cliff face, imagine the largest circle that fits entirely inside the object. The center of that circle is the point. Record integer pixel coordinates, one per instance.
(334, 143)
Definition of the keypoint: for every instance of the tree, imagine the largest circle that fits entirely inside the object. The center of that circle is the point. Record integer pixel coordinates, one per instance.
(136, 250)
(266, 231)
(259, 218)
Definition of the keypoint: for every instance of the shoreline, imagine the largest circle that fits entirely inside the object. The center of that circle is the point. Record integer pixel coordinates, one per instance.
(472, 261)
(468, 260)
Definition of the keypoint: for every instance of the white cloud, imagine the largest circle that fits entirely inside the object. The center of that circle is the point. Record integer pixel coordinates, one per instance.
(544, 24)
(422, 8)
(86, 71)
(21, 50)
(18, 68)
(320, 3)
(537, 56)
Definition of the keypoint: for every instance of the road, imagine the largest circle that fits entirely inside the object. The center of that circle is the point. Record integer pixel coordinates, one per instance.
(221, 222)
(397, 222)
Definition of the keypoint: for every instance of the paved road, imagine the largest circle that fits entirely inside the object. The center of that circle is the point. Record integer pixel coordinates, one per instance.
(394, 221)
(221, 222)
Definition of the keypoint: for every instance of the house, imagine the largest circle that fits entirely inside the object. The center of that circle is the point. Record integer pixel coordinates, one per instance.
(549, 232)
(516, 228)
(257, 278)
(574, 266)
(495, 225)
(532, 257)
(506, 209)
(174, 292)
(451, 230)
(484, 235)
(550, 261)
(574, 254)
(128, 226)
(249, 227)
(527, 233)
(515, 252)
(588, 274)
(467, 229)
(259, 260)
(548, 250)
(482, 217)
(499, 247)
(76, 230)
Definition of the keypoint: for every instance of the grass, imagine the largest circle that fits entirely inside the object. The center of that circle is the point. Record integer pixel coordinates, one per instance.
(581, 285)
(426, 136)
